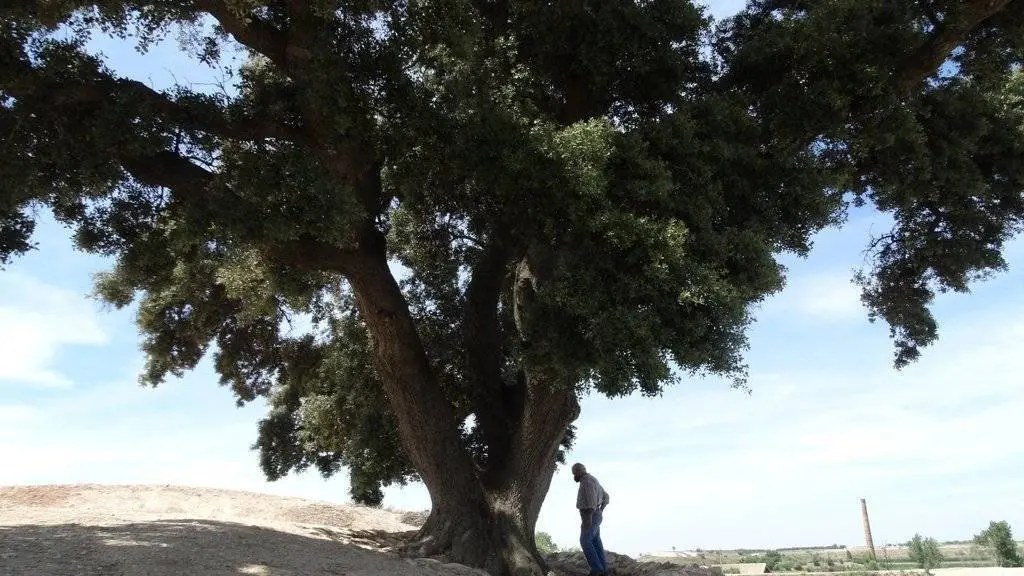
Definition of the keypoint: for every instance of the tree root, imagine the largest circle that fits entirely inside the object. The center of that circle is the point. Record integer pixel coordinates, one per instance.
(497, 549)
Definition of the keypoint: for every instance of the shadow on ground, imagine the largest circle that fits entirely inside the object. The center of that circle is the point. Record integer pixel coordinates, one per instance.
(183, 547)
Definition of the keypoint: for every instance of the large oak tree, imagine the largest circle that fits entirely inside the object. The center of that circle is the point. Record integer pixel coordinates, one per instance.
(585, 195)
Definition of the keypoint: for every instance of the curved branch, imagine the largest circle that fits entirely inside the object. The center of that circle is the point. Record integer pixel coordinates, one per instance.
(193, 184)
(425, 417)
(354, 164)
(483, 343)
(186, 180)
(930, 56)
(55, 91)
(256, 34)
(47, 91)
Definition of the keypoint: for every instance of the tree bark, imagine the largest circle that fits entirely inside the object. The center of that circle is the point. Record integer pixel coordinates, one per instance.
(493, 526)
(488, 530)
(484, 518)
(484, 355)
(426, 421)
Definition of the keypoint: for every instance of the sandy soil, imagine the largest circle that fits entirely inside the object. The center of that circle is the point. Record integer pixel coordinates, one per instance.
(88, 530)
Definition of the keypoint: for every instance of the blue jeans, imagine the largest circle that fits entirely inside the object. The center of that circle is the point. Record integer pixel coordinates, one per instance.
(593, 549)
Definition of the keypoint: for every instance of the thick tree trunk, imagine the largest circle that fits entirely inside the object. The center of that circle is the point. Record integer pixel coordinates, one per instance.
(483, 518)
(488, 530)
(493, 526)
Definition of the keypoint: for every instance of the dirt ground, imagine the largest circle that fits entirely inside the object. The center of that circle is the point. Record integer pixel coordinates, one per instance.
(175, 531)
(90, 530)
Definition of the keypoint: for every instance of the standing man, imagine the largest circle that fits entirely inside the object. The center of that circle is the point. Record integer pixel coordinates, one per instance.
(591, 501)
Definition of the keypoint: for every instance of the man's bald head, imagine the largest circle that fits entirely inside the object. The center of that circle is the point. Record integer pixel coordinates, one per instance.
(578, 471)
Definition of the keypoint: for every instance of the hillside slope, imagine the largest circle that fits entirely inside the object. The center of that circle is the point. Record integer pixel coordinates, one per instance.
(99, 530)
(163, 531)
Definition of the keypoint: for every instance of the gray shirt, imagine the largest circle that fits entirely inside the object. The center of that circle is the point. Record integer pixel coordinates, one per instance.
(591, 495)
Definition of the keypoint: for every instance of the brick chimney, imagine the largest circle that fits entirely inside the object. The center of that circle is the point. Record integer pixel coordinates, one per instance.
(868, 541)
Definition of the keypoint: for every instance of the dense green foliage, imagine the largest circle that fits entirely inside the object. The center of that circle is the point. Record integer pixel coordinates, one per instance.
(772, 561)
(925, 552)
(635, 163)
(998, 537)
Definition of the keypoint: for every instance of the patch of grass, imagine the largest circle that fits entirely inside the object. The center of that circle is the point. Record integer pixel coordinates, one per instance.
(828, 559)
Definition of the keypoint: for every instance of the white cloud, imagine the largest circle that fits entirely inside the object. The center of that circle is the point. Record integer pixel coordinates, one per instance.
(822, 297)
(17, 414)
(14, 418)
(36, 321)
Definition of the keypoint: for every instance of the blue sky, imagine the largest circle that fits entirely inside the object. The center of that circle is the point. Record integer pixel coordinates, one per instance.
(935, 448)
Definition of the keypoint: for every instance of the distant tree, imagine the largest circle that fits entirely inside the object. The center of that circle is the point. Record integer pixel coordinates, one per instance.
(772, 562)
(545, 544)
(925, 552)
(771, 559)
(999, 538)
(586, 196)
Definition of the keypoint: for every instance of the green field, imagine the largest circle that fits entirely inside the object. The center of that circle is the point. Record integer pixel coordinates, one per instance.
(841, 559)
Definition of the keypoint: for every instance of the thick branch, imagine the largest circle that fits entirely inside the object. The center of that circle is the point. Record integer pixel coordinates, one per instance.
(248, 29)
(36, 85)
(188, 182)
(483, 343)
(351, 160)
(550, 407)
(929, 11)
(931, 55)
(425, 417)
(192, 184)
(257, 34)
(550, 404)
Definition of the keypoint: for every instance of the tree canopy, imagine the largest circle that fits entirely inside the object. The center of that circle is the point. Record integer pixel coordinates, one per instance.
(582, 195)
(925, 552)
(999, 538)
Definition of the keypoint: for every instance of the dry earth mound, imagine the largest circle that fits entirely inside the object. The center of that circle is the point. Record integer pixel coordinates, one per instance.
(87, 530)
(90, 530)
